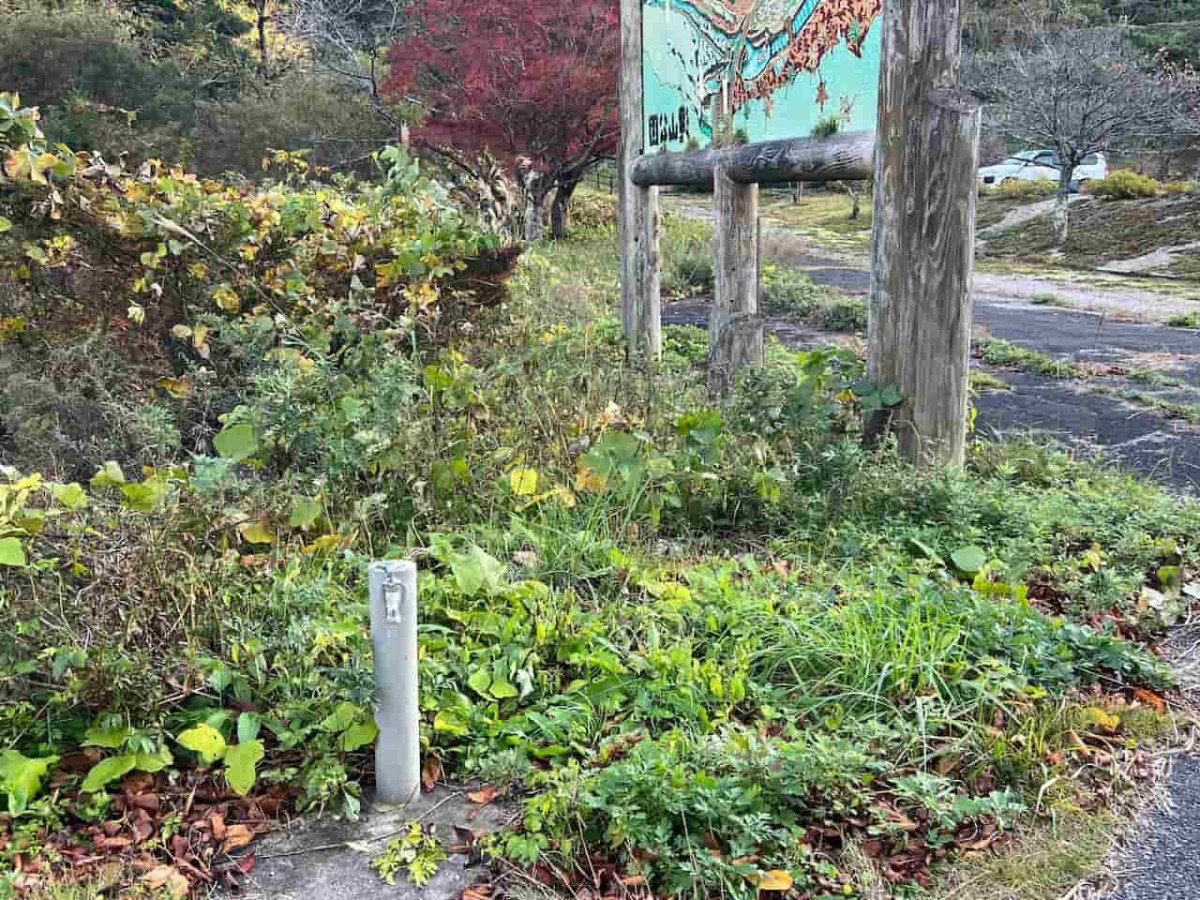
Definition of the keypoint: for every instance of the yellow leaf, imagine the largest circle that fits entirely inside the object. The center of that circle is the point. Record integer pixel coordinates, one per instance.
(325, 542)
(176, 387)
(524, 482)
(559, 493)
(587, 480)
(227, 298)
(775, 880)
(256, 533)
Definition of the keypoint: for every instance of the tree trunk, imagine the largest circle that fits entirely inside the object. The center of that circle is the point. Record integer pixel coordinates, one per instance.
(535, 211)
(923, 244)
(560, 210)
(1060, 215)
(856, 199)
(261, 8)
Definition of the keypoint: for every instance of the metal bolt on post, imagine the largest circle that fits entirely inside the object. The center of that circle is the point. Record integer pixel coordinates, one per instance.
(394, 638)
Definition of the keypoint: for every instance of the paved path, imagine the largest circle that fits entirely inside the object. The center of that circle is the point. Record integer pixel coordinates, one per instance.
(327, 859)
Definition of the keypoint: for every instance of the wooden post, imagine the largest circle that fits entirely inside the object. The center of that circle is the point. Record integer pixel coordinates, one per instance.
(923, 245)
(735, 329)
(638, 217)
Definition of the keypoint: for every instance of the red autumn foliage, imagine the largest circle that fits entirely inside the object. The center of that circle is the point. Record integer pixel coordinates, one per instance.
(533, 83)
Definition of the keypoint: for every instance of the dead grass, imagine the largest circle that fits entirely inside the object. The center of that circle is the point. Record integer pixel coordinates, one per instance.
(1048, 861)
(1105, 231)
(823, 217)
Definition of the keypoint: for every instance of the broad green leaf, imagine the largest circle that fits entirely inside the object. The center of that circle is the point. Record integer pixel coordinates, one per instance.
(969, 560)
(109, 738)
(449, 721)
(480, 680)
(236, 442)
(11, 552)
(503, 690)
(108, 770)
(5, 225)
(154, 762)
(890, 396)
(359, 735)
(248, 727)
(476, 570)
(343, 716)
(205, 741)
(523, 482)
(21, 778)
(145, 497)
(109, 475)
(240, 763)
(305, 513)
(72, 495)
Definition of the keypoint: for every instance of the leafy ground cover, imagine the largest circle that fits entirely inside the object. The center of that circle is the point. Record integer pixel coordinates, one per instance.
(710, 648)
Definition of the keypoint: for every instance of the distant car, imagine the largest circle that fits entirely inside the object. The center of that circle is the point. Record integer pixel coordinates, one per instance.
(1031, 165)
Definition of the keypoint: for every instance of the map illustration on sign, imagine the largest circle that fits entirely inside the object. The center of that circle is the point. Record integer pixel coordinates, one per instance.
(779, 66)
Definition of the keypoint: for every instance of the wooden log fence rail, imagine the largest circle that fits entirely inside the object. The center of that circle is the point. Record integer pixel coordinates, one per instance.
(844, 157)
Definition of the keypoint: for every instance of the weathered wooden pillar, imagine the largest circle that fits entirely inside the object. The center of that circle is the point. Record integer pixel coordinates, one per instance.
(923, 244)
(735, 329)
(638, 216)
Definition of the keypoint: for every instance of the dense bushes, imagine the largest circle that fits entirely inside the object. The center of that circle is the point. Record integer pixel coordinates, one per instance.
(1024, 189)
(104, 81)
(1125, 184)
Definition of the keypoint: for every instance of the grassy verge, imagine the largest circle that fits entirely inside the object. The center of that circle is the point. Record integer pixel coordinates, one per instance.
(999, 352)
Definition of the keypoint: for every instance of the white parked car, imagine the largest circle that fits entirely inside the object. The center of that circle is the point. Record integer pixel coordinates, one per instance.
(1030, 165)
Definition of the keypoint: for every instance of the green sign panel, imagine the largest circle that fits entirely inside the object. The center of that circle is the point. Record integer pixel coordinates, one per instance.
(778, 66)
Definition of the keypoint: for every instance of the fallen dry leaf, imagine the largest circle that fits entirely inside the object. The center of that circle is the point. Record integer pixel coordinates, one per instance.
(137, 783)
(775, 880)
(484, 795)
(167, 878)
(236, 836)
(431, 772)
(1150, 698)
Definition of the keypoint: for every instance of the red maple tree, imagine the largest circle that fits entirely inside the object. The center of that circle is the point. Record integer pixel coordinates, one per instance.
(530, 81)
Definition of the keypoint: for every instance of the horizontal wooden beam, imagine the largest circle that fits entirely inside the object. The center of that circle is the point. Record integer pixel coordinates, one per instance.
(843, 157)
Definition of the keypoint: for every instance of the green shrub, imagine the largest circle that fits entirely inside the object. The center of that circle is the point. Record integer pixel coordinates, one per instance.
(1180, 187)
(1125, 184)
(793, 295)
(1021, 189)
(84, 66)
(302, 111)
(592, 212)
(1185, 320)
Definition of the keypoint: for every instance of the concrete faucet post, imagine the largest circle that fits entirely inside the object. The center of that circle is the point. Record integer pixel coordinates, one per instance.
(393, 587)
